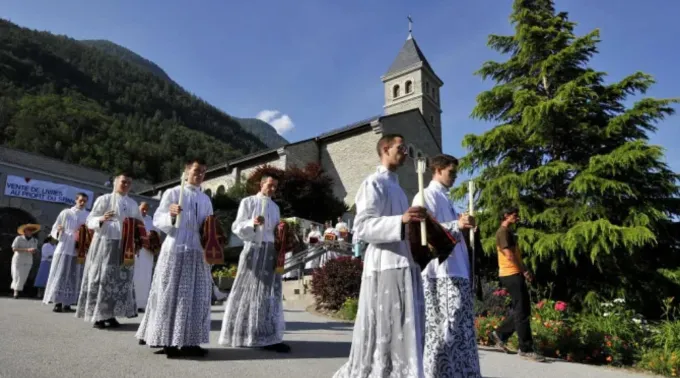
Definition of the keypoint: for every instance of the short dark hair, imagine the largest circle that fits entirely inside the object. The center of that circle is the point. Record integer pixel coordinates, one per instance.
(509, 211)
(442, 161)
(197, 160)
(386, 140)
(123, 173)
(266, 176)
(81, 194)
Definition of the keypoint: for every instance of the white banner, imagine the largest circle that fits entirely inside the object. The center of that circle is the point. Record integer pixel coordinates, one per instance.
(25, 187)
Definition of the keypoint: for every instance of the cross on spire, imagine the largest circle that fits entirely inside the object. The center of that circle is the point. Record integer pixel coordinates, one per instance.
(410, 26)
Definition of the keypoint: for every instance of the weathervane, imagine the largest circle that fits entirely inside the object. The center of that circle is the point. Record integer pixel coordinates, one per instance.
(410, 26)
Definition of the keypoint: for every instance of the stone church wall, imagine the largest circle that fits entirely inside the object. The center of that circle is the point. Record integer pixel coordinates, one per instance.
(301, 154)
(349, 161)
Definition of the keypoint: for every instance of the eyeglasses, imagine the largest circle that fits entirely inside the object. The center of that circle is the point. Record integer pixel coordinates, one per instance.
(401, 148)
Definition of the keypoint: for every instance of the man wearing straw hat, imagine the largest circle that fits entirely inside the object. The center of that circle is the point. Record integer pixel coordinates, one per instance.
(24, 246)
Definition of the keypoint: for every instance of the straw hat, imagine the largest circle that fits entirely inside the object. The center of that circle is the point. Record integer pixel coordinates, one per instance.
(34, 227)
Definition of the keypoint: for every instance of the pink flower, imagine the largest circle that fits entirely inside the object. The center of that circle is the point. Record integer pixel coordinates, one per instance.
(500, 293)
(560, 306)
(540, 304)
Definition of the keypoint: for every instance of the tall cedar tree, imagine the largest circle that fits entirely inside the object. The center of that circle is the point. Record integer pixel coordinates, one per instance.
(596, 200)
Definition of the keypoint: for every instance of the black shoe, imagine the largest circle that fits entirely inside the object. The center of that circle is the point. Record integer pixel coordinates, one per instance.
(68, 309)
(169, 352)
(99, 325)
(57, 308)
(113, 323)
(194, 351)
(142, 342)
(279, 348)
(140, 310)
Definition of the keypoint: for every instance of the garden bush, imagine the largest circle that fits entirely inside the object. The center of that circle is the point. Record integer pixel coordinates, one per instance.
(337, 281)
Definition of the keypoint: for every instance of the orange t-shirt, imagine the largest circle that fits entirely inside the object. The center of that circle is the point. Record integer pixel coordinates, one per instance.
(505, 239)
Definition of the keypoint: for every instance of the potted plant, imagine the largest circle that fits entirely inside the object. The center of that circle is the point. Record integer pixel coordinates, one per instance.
(224, 278)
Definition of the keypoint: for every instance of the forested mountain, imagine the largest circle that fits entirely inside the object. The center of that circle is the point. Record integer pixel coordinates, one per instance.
(128, 55)
(262, 130)
(64, 99)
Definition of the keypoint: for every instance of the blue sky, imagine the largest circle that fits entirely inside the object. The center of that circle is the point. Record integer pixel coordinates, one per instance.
(320, 62)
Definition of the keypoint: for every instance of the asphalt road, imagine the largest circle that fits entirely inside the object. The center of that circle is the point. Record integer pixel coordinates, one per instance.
(38, 343)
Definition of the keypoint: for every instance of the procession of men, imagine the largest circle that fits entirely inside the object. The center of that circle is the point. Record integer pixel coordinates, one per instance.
(412, 321)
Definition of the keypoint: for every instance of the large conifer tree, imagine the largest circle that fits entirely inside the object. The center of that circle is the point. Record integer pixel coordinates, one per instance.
(597, 201)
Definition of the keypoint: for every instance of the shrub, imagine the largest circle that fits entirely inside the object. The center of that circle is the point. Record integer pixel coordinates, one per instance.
(337, 281)
(349, 309)
(659, 361)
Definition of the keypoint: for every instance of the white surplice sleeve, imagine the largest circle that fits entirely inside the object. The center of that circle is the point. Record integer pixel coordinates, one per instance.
(244, 226)
(60, 220)
(95, 220)
(370, 225)
(162, 219)
(432, 205)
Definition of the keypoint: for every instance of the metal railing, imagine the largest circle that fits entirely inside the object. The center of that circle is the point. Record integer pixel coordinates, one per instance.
(298, 260)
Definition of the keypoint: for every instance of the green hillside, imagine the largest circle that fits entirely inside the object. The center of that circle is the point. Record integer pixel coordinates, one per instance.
(64, 99)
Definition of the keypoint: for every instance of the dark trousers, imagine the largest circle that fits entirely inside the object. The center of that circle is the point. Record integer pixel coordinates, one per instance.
(520, 318)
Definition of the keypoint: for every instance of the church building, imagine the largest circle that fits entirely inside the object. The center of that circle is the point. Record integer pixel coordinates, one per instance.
(348, 154)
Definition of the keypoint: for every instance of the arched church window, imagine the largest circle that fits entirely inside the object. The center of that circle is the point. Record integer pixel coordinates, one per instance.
(208, 192)
(432, 120)
(220, 189)
(419, 154)
(395, 91)
(409, 87)
(427, 86)
(411, 150)
(433, 92)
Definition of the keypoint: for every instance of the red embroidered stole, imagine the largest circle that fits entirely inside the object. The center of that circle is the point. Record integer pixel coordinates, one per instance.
(212, 240)
(133, 237)
(280, 243)
(440, 242)
(83, 240)
(153, 242)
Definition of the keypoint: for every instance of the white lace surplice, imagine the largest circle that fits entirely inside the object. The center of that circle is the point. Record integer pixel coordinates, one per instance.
(389, 327)
(178, 309)
(253, 315)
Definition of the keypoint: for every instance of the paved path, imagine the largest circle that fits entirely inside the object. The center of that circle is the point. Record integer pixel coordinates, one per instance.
(38, 343)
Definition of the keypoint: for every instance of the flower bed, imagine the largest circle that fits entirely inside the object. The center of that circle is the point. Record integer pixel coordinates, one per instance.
(606, 334)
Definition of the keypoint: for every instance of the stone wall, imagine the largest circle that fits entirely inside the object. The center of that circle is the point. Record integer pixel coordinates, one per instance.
(349, 161)
(301, 154)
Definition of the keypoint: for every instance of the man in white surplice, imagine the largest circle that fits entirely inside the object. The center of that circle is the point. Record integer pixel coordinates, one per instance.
(450, 342)
(177, 315)
(63, 284)
(389, 327)
(144, 263)
(107, 289)
(253, 315)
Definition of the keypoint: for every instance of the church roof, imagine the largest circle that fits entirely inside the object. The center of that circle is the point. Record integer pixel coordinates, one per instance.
(409, 56)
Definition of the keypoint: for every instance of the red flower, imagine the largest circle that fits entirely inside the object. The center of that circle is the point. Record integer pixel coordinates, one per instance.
(540, 304)
(560, 306)
(501, 293)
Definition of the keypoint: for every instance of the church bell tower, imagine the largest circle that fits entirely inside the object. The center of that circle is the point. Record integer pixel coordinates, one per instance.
(411, 83)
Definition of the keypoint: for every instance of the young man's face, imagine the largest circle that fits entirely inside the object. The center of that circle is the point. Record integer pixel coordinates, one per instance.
(81, 201)
(123, 184)
(512, 218)
(447, 176)
(144, 209)
(268, 186)
(397, 152)
(195, 174)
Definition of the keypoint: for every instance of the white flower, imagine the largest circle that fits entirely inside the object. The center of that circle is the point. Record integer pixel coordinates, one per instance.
(607, 304)
(637, 321)
(619, 300)
(605, 314)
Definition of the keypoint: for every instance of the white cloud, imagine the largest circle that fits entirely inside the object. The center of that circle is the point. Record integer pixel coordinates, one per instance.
(281, 122)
